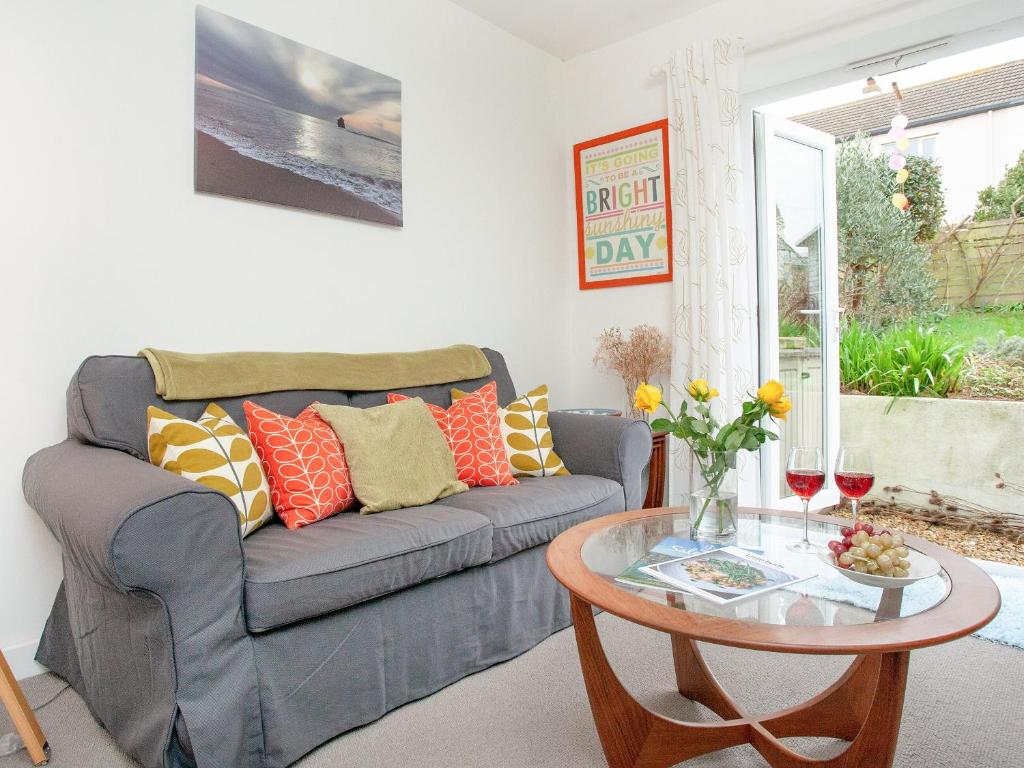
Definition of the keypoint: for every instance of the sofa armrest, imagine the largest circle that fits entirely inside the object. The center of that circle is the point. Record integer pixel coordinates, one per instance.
(127, 523)
(129, 528)
(616, 448)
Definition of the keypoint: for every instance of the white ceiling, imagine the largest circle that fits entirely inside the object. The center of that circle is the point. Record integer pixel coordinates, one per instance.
(567, 28)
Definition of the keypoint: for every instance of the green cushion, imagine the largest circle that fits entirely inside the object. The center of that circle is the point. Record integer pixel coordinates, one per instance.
(396, 454)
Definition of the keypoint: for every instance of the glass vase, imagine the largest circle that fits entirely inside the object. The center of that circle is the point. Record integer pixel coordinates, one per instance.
(713, 498)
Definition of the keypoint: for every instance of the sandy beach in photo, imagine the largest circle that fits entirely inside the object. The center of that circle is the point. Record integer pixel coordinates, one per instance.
(223, 171)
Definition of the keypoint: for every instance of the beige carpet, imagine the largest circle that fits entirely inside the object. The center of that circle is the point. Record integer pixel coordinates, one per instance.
(532, 711)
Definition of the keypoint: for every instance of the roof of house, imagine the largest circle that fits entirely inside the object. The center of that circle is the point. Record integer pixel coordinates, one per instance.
(997, 87)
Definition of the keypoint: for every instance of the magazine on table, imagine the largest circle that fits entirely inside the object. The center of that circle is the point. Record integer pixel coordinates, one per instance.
(669, 548)
(722, 575)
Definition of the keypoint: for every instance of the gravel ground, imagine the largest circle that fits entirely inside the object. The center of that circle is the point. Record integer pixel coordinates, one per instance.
(980, 544)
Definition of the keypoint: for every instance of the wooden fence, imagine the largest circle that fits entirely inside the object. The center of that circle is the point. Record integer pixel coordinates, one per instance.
(980, 263)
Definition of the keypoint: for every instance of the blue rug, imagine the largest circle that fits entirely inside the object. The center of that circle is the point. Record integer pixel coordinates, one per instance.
(1007, 627)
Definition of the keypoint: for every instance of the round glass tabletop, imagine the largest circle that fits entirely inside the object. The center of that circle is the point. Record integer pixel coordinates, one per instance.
(819, 595)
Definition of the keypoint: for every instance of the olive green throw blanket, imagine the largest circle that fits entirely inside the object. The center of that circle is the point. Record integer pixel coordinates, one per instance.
(183, 376)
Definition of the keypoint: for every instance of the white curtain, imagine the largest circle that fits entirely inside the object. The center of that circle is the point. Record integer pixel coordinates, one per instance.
(714, 283)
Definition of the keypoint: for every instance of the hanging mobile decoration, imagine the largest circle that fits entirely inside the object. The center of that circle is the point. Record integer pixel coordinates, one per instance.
(897, 160)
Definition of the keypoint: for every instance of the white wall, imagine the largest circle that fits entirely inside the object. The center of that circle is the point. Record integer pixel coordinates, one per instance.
(974, 153)
(107, 249)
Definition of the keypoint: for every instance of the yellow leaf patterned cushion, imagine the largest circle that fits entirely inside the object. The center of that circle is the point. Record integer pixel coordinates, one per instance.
(214, 452)
(527, 437)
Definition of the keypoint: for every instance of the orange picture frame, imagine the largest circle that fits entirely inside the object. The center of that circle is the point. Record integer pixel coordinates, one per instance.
(624, 208)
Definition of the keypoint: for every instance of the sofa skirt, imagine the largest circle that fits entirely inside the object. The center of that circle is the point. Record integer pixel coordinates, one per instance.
(322, 677)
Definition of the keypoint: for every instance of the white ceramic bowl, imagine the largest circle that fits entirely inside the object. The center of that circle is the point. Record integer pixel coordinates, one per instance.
(921, 567)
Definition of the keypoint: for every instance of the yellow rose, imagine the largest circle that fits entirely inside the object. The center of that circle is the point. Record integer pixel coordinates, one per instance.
(699, 389)
(648, 398)
(781, 408)
(771, 392)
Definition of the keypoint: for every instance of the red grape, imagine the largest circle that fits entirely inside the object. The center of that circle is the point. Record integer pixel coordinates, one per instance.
(847, 541)
(846, 531)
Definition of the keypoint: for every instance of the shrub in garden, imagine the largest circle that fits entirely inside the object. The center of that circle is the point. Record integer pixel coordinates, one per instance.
(883, 268)
(1009, 349)
(904, 361)
(994, 202)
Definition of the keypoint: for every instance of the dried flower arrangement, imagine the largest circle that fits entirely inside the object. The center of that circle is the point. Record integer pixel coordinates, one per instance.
(646, 353)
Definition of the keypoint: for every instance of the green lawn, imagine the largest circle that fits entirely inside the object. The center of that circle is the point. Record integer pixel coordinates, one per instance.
(967, 327)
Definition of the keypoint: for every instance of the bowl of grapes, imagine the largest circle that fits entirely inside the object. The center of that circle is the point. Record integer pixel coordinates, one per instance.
(877, 558)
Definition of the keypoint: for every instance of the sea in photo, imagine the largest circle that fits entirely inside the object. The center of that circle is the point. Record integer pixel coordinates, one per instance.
(280, 122)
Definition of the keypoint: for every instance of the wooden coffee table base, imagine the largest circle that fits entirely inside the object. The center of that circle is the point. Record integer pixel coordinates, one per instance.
(863, 707)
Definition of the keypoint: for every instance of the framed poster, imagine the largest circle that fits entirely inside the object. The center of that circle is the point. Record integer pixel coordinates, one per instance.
(623, 208)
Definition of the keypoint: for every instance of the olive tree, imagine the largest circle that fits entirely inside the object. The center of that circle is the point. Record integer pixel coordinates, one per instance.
(883, 267)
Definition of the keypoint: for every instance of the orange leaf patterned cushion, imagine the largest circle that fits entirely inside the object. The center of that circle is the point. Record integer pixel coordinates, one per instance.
(305, 464)
(528, 440)
(473, 432)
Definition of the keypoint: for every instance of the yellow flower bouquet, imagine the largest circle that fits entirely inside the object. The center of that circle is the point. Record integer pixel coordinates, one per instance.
(715, 445)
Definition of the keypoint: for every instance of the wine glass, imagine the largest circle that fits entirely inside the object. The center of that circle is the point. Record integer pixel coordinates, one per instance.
(854, 474)
(806, 477)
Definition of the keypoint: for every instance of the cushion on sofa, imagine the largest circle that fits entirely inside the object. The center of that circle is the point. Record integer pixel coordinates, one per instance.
(525, 432)
(304, 463)
(397, 455)
(539, 508)
(349, 558)
(213, 451)
(472, 428)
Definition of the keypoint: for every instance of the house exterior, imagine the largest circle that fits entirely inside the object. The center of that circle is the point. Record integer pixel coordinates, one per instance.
(972, 124)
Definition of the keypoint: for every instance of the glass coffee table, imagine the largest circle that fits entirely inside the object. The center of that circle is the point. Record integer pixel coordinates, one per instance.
(826, 614)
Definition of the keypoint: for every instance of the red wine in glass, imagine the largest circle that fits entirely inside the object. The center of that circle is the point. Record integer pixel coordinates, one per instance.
(854, 484)
(805, 482)
(854, 474)
(806, 476)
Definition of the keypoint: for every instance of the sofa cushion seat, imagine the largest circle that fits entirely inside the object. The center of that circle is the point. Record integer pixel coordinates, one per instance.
(539, 508)
(349, 558)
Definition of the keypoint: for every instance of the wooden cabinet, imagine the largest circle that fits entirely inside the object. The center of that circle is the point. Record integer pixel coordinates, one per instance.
(657, 472)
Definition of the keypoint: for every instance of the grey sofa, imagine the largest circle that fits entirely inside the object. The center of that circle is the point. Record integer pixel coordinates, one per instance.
(196, 648)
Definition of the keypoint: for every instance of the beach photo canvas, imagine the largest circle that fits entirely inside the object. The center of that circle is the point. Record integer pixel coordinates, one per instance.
(284, 123)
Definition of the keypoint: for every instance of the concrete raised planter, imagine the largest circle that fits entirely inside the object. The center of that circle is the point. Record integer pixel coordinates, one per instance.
(954, 447)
